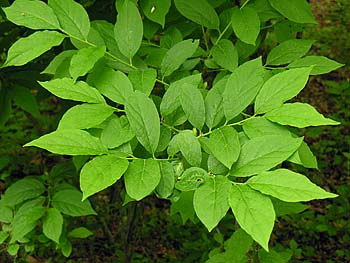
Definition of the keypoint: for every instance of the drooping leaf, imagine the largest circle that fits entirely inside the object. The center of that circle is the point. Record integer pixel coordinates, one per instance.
(25, 100)
(299, 115)
(177, 55)
(246, 24)
(84, 60)
(184, 206)
(156, 10)
(52, 224)
(143, 80)
(141, 178)
(289, 51)
(321, 65)
(167, 181)
(191, 179)
(198, 11)
(100, 173)
(254, 213)
(242, 87)
(211, 200)
(72, 16)
(263, 153)
(144, 120)
(225, 54)
(70, 202)
(70, 142)
(79, 91)
(32, 14)
(280, 88)
(28, 48)
(288, 186)
(128, 30)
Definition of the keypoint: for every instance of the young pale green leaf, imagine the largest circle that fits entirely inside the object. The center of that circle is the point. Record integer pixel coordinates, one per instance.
(242, 87)
(211, 201)
(80, 232)
(188, 144)
(192, 103)
(224, 145)
(68, 89)
(28, 48)
(128, 30)
(52, 224)
(225, 54)
(167, 181)
(70, 202)
(84, 60)
(263, 153)
(321, 65)
(191, 179)
(304, 157)
(72, 16)
(116, 132)
(141, 178)
(254, 213)
(24, 99)
(22, 190)
(198, 11)
(100, 173)
(32, 14)
(85, 116)
(214, 111)
(289, 51)
(70, 142)
(156, 10)
(246, 24)
(299, 115)
(143, 80)
(144, 120)
(298, 11)
(177, 55)
(280, 88)
(288, 186)
(115, 85)
(260, 126)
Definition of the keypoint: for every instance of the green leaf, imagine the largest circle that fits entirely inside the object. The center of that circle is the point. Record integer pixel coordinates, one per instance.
(211, 201)
(216, 167)
(198, 11)
(13, 249)
(164, 138)
(85, 116)
(5, 212)
(246, 24)
(25, 100)
(263, 153)
(58, 61)
(225, 54)
(80, 232)
(192, 103)
(299, 115)
(188, 144)
(167, 181)
(3, 236)
(70, 142)
(280, 88)
(321, 65)
(143, 80)
(298, 11)
(116, 132)
(224, 145)
(242, 87)
(28, 48)
(254, 213)
(66, 247)
(72, 17)
(184, 206)
(144, 120)
(84, 60)
(237, 247)
(69, 202)
(23, 190)
(284, 208)
(177, 55)
(274, 256)
(128, 30)
(288, 186)
(52, 225)
(289, 51)
(304, 157)
(115, 85)
(156, 10)
(260, 126)
(32, 14)
(68, 89)
(170, 37)
(100, 173)
(141, 178)
(191, 179)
